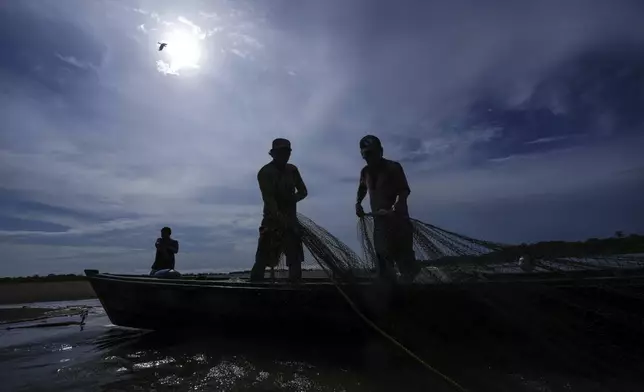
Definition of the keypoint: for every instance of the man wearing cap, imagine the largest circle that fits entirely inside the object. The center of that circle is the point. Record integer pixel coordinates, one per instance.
(386, 183)
(282, 188)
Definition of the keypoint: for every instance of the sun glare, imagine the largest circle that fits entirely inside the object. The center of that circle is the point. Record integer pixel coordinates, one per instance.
(183, 51)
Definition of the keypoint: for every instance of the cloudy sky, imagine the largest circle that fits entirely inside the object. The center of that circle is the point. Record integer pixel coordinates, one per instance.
(515, 120)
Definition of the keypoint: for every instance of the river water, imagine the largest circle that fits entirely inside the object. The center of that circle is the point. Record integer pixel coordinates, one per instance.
(103, 357)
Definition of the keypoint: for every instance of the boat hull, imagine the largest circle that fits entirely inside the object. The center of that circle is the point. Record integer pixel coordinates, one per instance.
(318, 306)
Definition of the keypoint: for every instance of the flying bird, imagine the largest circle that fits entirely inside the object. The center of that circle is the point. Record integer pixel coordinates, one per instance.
(162, 45)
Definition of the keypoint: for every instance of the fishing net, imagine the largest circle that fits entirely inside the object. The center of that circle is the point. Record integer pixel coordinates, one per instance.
(430, 243)
(443, 256)
(326, 256)
(447, 257)
(384, 240)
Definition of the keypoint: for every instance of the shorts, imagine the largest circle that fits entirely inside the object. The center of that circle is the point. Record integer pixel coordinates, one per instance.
(275, 241)
(393, 240)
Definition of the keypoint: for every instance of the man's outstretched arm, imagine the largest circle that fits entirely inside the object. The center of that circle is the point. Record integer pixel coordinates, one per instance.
(173, 246)
(362, 193)
(300, 187)
(362, 188)
(402, 186)
(266, 187)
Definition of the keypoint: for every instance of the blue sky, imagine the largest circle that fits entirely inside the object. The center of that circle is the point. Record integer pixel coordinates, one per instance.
(515, 120)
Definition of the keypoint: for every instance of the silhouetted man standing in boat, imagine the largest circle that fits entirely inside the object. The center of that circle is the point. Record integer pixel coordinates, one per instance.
(282, 188)
(166, 249)
(386, 183)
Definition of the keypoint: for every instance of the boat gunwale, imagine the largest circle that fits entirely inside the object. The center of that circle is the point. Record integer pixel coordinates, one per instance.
(308, 286)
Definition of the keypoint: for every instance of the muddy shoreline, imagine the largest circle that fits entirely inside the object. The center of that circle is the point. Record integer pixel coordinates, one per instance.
(28, 292)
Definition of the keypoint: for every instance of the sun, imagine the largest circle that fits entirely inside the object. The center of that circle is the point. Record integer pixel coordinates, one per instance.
(183, 50)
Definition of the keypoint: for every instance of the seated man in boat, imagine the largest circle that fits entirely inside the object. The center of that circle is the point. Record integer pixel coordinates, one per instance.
(282, 187)
(166, 249)
(386, 183)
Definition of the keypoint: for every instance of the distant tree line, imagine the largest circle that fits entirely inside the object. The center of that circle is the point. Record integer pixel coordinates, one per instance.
(592, 247)
(74, 277)
(620, 244)
(44, 278)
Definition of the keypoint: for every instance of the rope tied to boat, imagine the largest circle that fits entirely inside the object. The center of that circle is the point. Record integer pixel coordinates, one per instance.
(394, 341)
(338, 260)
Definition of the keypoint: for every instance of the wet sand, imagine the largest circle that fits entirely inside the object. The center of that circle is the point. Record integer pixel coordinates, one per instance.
(10, 315)
(20, 293)
(19, 314)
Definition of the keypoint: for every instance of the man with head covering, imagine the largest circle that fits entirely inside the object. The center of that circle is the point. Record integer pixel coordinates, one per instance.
(282, 188)
(386, 183)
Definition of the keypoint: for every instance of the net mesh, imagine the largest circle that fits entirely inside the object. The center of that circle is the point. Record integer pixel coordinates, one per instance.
(332, 255)
(429, 243)
(325, 255)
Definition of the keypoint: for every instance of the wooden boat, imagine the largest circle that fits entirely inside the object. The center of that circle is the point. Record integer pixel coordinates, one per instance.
(317, 304)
